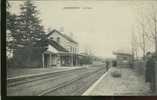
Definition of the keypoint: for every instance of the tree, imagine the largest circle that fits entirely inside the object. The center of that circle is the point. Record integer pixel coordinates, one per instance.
(32, 33)
(11, 26)
(26, 36)
(143, 38)
(134, 44)
(153, 19)
(148, 29)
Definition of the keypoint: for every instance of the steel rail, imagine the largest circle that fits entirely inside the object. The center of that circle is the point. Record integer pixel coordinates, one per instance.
(15, 82)
(66, 83)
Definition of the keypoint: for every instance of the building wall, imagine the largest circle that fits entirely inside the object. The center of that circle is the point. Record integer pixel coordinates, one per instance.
(70, 46)
(62, 60)
(52, 49)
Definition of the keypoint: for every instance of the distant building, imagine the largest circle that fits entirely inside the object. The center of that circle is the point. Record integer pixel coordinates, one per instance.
(62, 50)
(124, 59)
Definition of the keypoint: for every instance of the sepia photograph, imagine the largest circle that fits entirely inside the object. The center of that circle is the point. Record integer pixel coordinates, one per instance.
(81, 48)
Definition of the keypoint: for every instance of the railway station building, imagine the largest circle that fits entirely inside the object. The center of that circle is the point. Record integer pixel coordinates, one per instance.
(61, 51)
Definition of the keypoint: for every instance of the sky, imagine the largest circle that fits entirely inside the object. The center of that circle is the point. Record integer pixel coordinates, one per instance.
(100, 26)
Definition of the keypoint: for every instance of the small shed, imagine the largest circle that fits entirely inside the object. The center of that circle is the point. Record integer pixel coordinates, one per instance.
(124, 59)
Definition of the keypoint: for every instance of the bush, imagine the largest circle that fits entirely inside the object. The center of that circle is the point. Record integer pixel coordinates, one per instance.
(116, 74)
(10, 62)
(28, 57)
(86, 60)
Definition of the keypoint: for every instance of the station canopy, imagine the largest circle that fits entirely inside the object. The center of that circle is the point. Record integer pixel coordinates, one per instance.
(122, 52)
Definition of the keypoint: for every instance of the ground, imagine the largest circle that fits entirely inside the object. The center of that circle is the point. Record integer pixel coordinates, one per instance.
(73, 82)
(130, 83)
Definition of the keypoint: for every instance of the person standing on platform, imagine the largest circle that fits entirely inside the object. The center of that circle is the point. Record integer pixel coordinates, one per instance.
(107, 65)
(150, 71)
(114, 63)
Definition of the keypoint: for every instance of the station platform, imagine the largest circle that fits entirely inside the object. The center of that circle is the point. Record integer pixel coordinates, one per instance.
(129, 84)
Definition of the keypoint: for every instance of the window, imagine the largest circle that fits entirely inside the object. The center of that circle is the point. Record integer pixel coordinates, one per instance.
(124, 58)
(51, 38)
(58, 39)
(76, 50)
(71, 49)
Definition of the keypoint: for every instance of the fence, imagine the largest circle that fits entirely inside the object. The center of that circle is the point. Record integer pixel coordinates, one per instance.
(139, 67)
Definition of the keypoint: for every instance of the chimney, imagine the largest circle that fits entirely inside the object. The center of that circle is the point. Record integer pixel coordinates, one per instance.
(62, 29)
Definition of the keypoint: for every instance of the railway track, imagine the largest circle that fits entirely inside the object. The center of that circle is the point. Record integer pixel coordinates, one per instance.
(70, 82)
(51, 84)
(19, 81)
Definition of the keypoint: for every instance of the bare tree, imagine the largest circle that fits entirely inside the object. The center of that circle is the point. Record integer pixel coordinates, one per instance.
(148, 28)
(142, 35)
(134, 44)
(153, 33)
